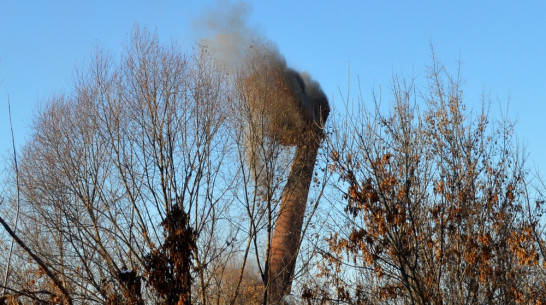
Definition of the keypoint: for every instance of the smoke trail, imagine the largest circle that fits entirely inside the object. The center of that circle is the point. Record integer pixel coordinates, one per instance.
(284, 105)
(229, 37)
(243, 52)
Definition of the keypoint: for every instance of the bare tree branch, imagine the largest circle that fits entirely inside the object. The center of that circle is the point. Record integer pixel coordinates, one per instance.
(38, 260)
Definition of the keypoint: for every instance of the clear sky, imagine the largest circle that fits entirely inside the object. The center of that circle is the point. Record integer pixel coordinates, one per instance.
(501, 45)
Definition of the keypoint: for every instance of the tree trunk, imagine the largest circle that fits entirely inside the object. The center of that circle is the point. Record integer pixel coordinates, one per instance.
(287, 233)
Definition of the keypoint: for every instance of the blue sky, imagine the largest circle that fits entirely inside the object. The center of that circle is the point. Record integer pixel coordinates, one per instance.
(501, 46)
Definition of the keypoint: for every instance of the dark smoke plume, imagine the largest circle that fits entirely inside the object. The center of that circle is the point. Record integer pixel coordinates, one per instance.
(291, 101)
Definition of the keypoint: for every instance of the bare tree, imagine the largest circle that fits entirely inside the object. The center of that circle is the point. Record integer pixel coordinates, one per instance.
(108, 162)
(434, 206)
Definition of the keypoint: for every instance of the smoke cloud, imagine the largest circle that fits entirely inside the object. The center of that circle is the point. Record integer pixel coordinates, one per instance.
(285, 105)
(230, 38)
(290, 98)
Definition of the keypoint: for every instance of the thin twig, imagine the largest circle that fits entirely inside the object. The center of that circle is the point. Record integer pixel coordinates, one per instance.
(6, 275)
(12, 232)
